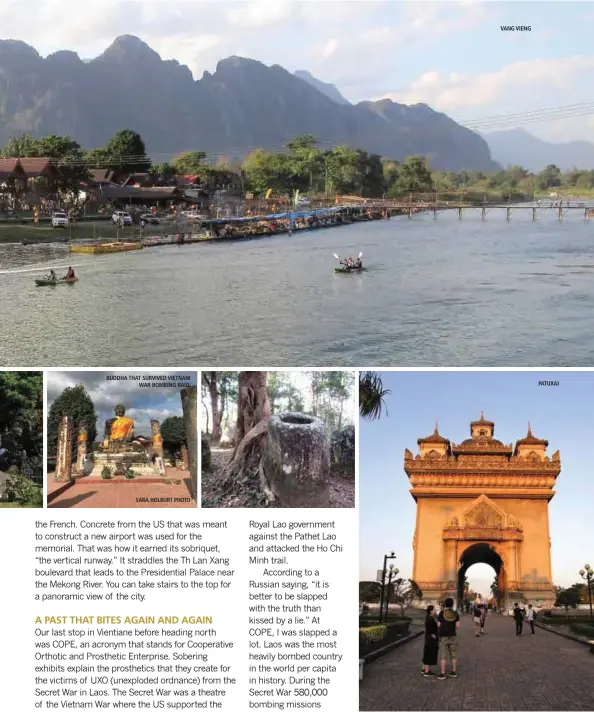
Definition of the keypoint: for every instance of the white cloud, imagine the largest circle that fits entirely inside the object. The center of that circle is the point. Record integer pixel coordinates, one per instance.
(262, 13)
(326, 50)
(459, 91)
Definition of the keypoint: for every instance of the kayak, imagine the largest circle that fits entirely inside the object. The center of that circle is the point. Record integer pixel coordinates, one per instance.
(53, 283)
(344, 270)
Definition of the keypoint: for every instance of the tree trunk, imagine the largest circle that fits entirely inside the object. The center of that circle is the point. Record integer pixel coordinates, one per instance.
(253, 414)
(189, 399)
(207, 418)
(214, 406)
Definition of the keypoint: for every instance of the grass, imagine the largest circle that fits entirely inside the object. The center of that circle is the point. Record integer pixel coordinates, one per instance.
(100, 230)
(17, 505)
(575, 192)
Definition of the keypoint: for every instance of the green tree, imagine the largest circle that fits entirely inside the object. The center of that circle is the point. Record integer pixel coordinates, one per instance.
(189, 162)
(23, 146)
(371, 395)
(162, 172)
(75, 402)
(305, 163)
(404, 592)
(372, 174)
(342, 171)
(568, 597)
(549, 177)
(65, 153)
(97, 158)
(391, 169)
(415, 176)
(68, 157)
(173, 432)
(24, 491)
(126, 152)
(266, 171)
(369, 591)
(21, 411)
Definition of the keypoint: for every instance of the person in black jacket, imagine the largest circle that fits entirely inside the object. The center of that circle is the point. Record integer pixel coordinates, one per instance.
(431, 649)
(519, 618)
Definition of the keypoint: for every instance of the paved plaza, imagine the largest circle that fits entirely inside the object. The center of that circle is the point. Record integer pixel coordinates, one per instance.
(107, 494)
(497, 672)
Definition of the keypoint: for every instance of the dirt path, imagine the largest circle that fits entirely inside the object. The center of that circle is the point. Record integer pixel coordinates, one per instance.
(248, 493)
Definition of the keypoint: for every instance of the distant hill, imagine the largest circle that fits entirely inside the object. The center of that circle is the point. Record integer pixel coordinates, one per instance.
(518, 147)
(243, 105)
(328, 89)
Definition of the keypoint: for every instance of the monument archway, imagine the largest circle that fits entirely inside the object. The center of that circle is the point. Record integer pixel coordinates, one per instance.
(481, 553)
(483, 500)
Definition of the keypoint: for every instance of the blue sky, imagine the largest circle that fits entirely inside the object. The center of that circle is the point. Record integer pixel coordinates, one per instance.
(450, 55)
(564, 416)
(142, 404)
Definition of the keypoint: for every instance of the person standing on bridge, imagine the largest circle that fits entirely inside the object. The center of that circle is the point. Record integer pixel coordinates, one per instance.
(519, 619)
(448, 622)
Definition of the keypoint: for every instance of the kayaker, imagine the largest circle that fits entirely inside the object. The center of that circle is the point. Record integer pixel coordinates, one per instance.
(70, 274)
(51, 277)
(350, 263)
(358, 263)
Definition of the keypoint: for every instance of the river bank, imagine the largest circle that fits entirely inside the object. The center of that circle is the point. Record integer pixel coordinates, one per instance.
(219, 230)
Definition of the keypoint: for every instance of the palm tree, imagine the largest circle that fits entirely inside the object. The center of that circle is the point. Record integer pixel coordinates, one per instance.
(371, 395)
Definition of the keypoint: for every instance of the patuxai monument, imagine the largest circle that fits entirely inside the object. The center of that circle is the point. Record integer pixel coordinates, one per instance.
(482, 501)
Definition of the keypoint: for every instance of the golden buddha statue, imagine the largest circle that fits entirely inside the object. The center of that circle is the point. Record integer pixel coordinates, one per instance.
(118, 430)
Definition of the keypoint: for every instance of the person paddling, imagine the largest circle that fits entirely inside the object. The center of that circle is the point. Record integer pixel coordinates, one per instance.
(70, 274)
(51, 277)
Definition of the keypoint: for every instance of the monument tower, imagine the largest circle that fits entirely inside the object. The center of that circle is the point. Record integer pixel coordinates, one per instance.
(482, 501)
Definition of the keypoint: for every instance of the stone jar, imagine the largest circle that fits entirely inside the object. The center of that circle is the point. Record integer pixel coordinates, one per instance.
(342, 447)
(296, 463)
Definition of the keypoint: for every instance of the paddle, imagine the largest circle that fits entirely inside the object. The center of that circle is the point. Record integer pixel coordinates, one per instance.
(335, 255)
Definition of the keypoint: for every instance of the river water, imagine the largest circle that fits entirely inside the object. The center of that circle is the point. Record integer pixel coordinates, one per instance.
(442, 292)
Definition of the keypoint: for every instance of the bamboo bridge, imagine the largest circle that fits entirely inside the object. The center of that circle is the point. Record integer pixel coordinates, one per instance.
(411, 208)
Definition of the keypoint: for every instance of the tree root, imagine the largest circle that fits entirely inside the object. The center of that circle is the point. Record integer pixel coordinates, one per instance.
(264, 486)
(246, 458)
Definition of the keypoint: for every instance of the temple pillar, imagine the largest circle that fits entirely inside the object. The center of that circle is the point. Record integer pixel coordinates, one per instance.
(189, 399)
(184, 456)
(157, 438)
(64, 454)
(451, 568)
(83, 437)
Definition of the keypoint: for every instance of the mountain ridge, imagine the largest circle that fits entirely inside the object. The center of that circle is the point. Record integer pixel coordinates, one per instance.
(242, 105)
(519, 147)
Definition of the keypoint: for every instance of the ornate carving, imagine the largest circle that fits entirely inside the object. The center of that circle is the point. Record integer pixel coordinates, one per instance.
(433, 455)
(483, 515)
(484, 521)
(429, 585)
(478, 463)
(408, 454)
(478, 534)
(438, 479)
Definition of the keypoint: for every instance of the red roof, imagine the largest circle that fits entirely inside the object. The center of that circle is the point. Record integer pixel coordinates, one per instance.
(187, 179)
(35, 167)
(11, 168)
